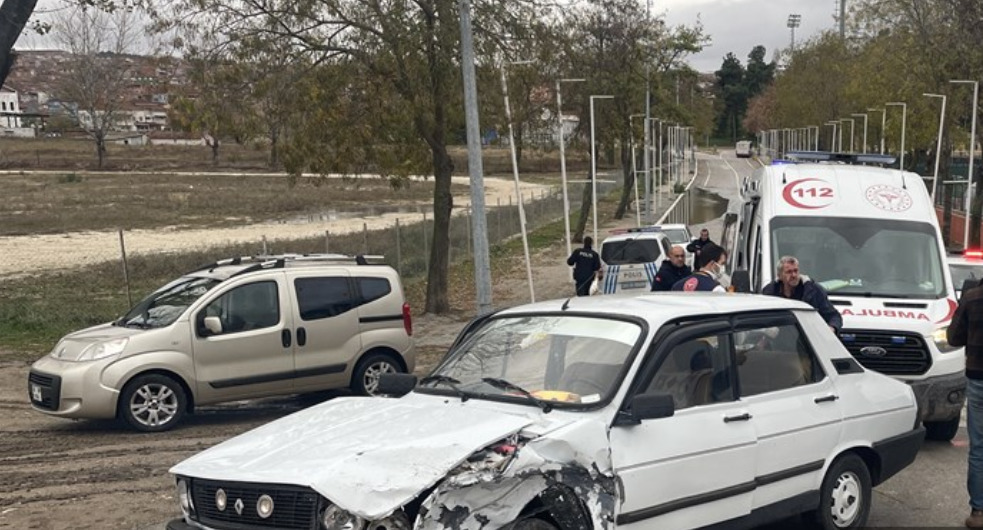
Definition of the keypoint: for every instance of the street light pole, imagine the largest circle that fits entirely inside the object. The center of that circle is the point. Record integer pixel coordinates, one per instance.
(904, 124)
(479, 231)
(883, 123)
(972, 151)
(563, 160)
(864, 116)
(938, 145)
(634, 166)
(593, 163)
(515, 174)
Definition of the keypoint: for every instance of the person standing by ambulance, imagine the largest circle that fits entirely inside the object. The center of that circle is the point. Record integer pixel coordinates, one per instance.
(586, 265)
(966, 330)
(696, 247)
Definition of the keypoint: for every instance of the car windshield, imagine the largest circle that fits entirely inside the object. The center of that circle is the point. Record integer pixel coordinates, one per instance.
(863, 257)
(677, 235)
(630, 251)
(961, 273)
(557, 359)
(165, 305)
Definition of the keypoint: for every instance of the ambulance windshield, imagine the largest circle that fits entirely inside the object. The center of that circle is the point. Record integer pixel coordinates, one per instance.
(863, 257)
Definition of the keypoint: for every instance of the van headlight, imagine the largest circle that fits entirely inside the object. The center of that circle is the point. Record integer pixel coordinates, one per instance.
(334, 518)
(101, 350)
(941, 342)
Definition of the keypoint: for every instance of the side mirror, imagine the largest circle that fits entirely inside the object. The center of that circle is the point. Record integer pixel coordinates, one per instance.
(396, 384)
(213, 325)
(741, 281)
(648, 407)
(968, 283)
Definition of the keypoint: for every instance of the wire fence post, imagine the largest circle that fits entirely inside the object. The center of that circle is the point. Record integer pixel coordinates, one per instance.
(365, 238)
(126, 269)
(399, 252)
(426, 252)
(327, 247)
(265, 252)
(467, 240)
(498, 220)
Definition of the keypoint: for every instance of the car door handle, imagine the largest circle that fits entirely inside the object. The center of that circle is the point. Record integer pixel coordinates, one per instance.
(285, 338)
(827, 399)
(301, 336)
(740, 417)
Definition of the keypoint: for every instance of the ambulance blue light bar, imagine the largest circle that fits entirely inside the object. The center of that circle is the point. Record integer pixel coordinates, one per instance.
(848, 158)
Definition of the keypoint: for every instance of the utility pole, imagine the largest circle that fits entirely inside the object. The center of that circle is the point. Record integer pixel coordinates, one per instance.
(794, 20)
(842, 19)
(647, 128)
(479, 230)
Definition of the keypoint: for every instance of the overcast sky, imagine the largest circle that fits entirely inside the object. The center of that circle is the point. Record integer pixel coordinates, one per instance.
(733, 25)
(739, 25)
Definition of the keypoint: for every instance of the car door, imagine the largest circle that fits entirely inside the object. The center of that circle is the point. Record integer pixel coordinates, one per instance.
(795, 410)
(695, 468)
(327, 328)
(252, 355)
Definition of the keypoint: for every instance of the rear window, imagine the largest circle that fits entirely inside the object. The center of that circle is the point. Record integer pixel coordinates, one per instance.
(630, 251)
(373, 288)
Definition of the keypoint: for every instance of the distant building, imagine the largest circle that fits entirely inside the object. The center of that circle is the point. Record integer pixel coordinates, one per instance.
(10, 113)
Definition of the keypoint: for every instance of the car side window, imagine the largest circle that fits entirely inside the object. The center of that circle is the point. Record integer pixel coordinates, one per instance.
(774, 357)
(247, 307)
(666, 247)
(373, 289)
(323, 297)
(695, 372)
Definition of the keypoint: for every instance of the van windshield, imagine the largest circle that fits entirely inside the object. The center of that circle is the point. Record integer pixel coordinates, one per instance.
(630, 251)
(863, 257)
(166, 304)
(677, 236)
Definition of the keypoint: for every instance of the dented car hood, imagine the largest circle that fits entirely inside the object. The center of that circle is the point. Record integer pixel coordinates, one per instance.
(367, 455)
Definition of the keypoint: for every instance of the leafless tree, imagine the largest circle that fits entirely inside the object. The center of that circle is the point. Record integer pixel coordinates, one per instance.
(93, 88)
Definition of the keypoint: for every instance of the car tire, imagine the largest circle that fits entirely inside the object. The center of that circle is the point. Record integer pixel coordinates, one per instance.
(531, 523)
(845, 495)
(942, 431)
(152, 403)
(365, 379)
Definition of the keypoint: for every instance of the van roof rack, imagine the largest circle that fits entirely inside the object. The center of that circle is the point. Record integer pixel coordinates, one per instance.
(280, 260)
(846, 158)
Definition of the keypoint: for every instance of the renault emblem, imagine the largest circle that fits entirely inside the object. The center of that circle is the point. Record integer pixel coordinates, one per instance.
(873, 351)
(238, 506)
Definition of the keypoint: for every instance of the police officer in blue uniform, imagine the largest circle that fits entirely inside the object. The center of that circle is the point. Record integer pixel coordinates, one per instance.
(586, 264)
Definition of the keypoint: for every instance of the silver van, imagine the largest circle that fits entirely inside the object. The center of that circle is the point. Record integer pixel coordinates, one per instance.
(239, 328)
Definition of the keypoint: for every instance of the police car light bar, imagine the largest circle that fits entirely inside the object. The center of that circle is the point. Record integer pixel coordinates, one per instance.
(642, 229)
(973, 254)
(849, 158)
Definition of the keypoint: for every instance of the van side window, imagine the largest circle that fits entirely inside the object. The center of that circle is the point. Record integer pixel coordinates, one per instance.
(695, 372)
(372, 289)
(772, 358)
(247, 307)
(323, 297)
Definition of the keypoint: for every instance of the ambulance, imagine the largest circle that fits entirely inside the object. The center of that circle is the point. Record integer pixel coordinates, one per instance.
(870, 236)
(631, 258)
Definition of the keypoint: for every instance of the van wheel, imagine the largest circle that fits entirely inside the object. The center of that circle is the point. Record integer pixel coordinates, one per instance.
(845, 496)
(365, 380)
(152, 403)
(942, 431)
(531, 523)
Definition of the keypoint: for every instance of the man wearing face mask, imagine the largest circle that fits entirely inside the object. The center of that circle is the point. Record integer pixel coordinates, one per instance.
(710, 274)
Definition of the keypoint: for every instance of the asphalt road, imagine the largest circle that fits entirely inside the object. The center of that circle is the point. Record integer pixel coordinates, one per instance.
(931, 493)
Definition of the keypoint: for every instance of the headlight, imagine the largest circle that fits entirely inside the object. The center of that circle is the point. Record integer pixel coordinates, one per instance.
(264, 506)
(184, 495)
(941, 342)
(334, 518)
(221, 500)
(101, 350)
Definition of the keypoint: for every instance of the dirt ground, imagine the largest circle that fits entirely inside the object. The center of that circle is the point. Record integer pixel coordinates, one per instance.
(57, 474)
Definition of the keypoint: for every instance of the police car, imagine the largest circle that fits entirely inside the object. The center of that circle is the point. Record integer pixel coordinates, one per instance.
(631, 258)
(965, 267)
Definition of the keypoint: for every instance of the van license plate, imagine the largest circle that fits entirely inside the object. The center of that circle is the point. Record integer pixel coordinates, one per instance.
(633, 285)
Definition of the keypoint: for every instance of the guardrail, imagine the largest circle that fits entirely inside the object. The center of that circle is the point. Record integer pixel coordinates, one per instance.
(680, 208)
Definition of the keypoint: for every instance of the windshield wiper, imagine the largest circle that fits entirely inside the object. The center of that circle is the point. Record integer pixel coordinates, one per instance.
(502, 384)
(870, 294)
(449, 382)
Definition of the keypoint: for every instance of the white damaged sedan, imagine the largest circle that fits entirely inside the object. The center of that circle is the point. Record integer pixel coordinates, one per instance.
(669, 410)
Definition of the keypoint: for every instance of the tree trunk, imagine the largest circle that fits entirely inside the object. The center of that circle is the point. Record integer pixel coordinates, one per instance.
(100, 150)
(946, 191)
(585, 206)
(214, 146)
(629, 178)
(274, 154)
(437, 301)
(14, 15)
(518, 145)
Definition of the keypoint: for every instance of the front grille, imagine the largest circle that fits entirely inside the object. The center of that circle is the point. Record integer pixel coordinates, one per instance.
(293, 507)
(46, 387)
(907, 353)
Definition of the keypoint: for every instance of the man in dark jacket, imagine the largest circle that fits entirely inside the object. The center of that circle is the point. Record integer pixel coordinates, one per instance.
(696, 247)
(708, 277)
(672, 270)
(586, 264)
(791, 285)
(966, 329)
